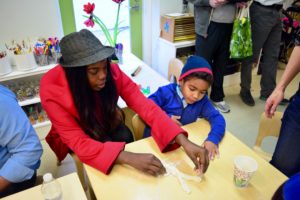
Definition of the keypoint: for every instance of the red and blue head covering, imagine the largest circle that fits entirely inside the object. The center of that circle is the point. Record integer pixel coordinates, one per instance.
(195, 64)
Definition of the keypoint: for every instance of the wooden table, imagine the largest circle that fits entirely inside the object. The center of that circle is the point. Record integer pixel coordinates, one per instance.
(70, 184)
(125, 182)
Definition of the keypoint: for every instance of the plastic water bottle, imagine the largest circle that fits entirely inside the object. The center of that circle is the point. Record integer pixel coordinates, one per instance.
(51, 188)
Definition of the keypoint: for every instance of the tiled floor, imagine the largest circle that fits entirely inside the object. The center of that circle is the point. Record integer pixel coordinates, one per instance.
(242, 121)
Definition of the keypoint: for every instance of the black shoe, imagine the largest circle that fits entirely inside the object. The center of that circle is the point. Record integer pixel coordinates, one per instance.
(247, 98)
(282, 102)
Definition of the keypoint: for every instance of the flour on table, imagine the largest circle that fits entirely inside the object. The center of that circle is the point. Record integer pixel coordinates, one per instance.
(181, 177)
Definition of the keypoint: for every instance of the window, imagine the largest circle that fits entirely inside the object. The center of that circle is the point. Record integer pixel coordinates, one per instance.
(106, 10)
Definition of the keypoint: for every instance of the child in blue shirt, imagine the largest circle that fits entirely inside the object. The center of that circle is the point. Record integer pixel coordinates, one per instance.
(187, 101)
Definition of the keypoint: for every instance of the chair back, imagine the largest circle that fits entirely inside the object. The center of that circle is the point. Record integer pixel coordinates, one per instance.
(174, 69)
(80, 171)
(138, 126)
(82, 177)
(267, 127)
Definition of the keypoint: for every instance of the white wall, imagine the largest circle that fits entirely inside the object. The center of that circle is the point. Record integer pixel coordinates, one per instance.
(29, 18)
(151, 25)
(167, 6)
(152, 10)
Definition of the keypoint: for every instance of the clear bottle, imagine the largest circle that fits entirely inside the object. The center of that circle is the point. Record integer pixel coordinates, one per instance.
(51, 188)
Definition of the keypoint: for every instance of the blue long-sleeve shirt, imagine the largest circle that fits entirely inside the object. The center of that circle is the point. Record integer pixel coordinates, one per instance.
(170, 99)
(20, 148)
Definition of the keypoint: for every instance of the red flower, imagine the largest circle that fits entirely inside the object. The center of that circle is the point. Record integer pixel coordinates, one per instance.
(89, 22)
(89, 8)
(118, 1)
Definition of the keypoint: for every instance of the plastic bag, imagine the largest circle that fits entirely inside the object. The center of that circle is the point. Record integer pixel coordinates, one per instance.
(241, 39)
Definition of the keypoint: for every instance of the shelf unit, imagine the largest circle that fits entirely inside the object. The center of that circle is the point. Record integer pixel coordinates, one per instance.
(20, 75)
(41, 124)
(30, 101)
(168, 50)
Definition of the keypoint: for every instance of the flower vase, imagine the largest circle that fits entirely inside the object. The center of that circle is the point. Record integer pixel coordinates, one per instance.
(114, 58)
(119, 52)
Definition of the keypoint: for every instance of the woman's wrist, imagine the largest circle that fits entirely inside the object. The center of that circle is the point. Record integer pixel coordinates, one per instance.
(181, 139)
(123, 158)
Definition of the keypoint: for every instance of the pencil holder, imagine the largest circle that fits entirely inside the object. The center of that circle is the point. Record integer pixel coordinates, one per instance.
(54, 57)
(5, 66)
(25, 62)
(41, 60)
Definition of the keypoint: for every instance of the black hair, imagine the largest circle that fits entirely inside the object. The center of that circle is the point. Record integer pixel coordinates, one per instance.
(96, 125)
(200, 75)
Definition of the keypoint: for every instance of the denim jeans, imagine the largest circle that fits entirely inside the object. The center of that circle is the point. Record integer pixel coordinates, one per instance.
(286, 157)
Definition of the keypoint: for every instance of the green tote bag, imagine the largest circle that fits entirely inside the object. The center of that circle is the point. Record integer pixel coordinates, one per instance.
(241, 39)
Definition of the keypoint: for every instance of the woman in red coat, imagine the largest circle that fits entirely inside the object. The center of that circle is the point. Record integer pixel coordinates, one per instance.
(80, 97)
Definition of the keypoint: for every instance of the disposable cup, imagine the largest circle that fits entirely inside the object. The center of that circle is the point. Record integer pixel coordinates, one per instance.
(5, 66)
(244, 168)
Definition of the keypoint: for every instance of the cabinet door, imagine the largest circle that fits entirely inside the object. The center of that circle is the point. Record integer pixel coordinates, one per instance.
(165, 52)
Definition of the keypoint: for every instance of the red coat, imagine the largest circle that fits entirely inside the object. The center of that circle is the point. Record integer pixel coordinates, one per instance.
(66, 134)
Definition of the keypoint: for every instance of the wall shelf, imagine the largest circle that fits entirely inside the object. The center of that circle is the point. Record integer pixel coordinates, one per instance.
(30, 101)
(41, 124)
(16, 76)
(21, 74)
(180, 44)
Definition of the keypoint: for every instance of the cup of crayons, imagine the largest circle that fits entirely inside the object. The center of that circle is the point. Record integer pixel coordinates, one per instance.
(47, 51)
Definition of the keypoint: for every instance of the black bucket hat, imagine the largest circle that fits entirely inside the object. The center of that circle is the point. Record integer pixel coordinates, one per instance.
(82, 48)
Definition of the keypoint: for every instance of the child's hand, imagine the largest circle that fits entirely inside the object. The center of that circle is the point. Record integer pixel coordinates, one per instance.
(241, 4)
(213, 150)
(176, 119)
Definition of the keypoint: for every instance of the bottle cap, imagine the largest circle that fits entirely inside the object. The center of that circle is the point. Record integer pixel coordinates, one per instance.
(47, 177)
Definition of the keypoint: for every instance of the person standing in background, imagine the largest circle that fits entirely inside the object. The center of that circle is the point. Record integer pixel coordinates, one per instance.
(266, 28)
(286, 156)
(20, 147)
(213, 25)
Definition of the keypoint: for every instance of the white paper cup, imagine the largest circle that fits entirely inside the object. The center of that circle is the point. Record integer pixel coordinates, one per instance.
(25, 62)
(244, 168)
(5, 66)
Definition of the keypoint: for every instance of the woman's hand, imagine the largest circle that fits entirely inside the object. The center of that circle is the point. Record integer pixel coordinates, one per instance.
(197, 154)
(241, 4)
(144, 162)
(212, 148)
(217, 3)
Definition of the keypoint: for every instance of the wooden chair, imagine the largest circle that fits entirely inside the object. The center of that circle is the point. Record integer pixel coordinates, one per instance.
(138, 126)
(174, 69)
(80, 171)
(82, 177)
(267, 127)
